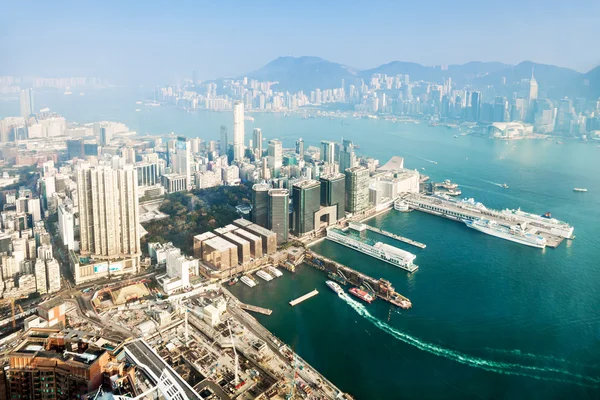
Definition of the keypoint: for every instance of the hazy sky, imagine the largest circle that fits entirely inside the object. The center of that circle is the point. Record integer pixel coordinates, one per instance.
(166, 40)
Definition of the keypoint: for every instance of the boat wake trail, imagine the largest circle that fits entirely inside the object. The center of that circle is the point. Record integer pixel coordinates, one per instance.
(492, 183)
(549, 373)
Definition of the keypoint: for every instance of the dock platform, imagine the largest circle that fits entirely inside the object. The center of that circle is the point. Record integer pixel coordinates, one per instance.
(397, 237)
(257, 309)
(382, 288)
(305, 297)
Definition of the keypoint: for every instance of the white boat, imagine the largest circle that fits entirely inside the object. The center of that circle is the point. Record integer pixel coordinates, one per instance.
(274, 272)
(400, 205)
(265, 276)
(335, 287)
(514, 233)
(449, 185)
(454, 192)
(248, 281)
(582, 190)
(504, 186)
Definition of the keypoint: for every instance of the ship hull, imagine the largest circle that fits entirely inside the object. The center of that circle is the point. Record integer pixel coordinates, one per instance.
(505, 236)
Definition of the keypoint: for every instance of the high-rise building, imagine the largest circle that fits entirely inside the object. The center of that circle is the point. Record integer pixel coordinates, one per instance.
(347, 156)
(333, 193)
(26, 103)
(306, 199)
(66, 225)
(181, 160)
(533, 88)
(300, 147)
(278, 213)
(108, 212)
(106, 135)
(75, 148)
(327, 151)
(475, 106)
(238, 131)
(357, 189)
(223, 142)
(53, 274)
(275, 156)
(257, 143)
(260, 204)
(41, 283)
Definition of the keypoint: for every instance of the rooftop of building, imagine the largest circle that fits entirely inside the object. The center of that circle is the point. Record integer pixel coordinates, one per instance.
(258, 187)
(220, 244)
(307, 184)
(396, 162)
(259, 229)
(204, 236)
(50, 304)
(356, 168)
(279, 192)
(235, 238)
(332, 177)
(246, 235)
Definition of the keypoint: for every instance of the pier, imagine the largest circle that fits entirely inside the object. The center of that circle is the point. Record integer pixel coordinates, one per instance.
(397, 237)
(552, 230)
(305, 297)
(260, 310)
(382, 288)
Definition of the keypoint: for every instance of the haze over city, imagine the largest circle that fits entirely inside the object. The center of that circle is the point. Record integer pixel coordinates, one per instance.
(157, 42)
(299, 200)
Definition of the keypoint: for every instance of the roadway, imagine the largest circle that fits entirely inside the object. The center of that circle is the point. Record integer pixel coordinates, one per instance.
(144, 354)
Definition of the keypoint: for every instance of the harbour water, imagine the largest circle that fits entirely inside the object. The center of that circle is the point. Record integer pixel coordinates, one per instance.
(490, 318)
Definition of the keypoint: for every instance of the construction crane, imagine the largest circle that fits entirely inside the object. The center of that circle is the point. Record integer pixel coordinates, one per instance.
(12, 309)
(234, 354)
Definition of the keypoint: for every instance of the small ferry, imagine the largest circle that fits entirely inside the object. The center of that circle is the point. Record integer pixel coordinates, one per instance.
(248, 281)
(335, 287)
(361, 294)
(274, 272)
(265, 276)
(580, 190)
(504, 186)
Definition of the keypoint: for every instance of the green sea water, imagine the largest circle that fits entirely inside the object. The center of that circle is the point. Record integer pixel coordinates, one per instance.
(490, 318)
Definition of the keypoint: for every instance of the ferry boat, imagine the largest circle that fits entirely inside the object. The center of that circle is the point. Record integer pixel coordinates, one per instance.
(401, 206)
(384, 252)
(361, 294)
(265, 276)
(248, 118)
(514, 233)
(504, 186)
(335, 287)
(447, 184)
(582, 190)
(248, 281)
(274, 272)
(454, 192)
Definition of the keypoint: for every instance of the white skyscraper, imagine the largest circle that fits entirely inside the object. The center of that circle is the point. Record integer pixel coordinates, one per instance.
(53, 274)
(327, 151)
(181, 159)
(275, 156)
(238, 130)
(66, 225)
(257, 143)
(40, 276)
(108, 212)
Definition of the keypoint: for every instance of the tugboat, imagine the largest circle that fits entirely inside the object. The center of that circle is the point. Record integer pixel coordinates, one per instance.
(232, 281)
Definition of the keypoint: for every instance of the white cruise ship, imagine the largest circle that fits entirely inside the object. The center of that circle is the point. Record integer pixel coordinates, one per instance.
(514, 233)
(274, 272)
(390, 254)
(248, 281)
(265, 276)
(543, 223)
(335, 287)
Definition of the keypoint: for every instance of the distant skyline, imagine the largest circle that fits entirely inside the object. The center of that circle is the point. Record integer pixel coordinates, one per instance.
(153, 41)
